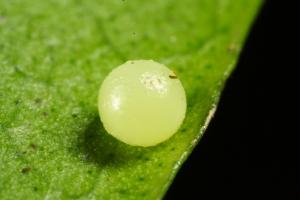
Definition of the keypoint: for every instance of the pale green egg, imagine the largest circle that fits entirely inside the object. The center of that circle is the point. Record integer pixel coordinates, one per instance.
(142, 103)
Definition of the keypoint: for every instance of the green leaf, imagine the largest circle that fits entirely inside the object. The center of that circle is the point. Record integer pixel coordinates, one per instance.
(53, 57)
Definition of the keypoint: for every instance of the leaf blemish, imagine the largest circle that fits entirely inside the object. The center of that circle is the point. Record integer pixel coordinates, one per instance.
(38, 100)
(17, 102)
(123, 191)
(17, 69)
(33, 146)
(25, 170)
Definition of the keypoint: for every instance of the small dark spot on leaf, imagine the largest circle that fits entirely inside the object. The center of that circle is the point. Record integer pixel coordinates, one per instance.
(35, 189)
(199, 77)
(141, 179)
(151, 83)
(74, 115)
(143, 194)
(111, 155)
(122, 191)
(33, 146)
(16, 68)
(132, 62)
(38, 100)
(173, 149)
(26, 170)
(89, 171)
(17, 102)
(45, 114)
(160, 164)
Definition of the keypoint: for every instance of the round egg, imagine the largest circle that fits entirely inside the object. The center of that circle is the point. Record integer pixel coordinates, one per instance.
(142, 103)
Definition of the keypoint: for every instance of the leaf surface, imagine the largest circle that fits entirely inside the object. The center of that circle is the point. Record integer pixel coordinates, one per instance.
(53, 57)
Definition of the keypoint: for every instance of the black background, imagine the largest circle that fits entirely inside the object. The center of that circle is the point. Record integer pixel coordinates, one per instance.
(250, 146)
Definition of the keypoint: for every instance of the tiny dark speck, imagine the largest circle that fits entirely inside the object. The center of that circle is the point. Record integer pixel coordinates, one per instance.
(45, 114)
(173, 76)
(17, 102)
(38, 100)
(146, 159)
(17, 69)
(143, 194)
(26, 170)
(74, 115)
(111, 155)
(35, 189)
(199, 77)
(33, 146)
(122, 191)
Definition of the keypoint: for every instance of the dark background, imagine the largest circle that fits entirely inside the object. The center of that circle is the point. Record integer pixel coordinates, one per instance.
(250, 146)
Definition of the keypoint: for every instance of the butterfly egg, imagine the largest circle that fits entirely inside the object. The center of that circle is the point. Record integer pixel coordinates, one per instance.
(142, 103)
